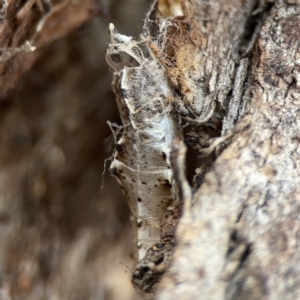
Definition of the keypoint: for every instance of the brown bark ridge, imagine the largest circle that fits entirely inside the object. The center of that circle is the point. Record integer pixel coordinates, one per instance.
(27, 26)
(240, 238)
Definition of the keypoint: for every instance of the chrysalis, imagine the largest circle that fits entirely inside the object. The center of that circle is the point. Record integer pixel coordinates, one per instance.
(141, 158)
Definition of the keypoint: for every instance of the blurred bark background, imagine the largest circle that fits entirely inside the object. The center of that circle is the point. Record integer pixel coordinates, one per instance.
(61, 236)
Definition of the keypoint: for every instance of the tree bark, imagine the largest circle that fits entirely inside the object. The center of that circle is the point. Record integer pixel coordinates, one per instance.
(240, 238)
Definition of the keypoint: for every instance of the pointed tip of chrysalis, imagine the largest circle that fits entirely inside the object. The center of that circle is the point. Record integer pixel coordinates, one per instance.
(115, 37)
(112, 32)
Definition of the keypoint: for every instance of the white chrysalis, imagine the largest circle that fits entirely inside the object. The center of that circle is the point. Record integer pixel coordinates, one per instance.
(141, 159)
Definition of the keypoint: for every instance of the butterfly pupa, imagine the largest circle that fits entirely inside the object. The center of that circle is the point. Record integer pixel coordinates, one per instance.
(141, 159)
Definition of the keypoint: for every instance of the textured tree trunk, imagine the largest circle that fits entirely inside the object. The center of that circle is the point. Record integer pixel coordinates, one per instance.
(240, 238)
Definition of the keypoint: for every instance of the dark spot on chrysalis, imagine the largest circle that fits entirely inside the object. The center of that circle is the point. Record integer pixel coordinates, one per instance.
(133, 180)
(113, 171)
(168, 184)
(164, 155)
(143, 182)
(155, 185)
(119, 147)
(139, 223)
(139, 199)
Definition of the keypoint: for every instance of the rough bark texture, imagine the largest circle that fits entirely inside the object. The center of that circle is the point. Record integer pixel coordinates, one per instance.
(240, 239)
